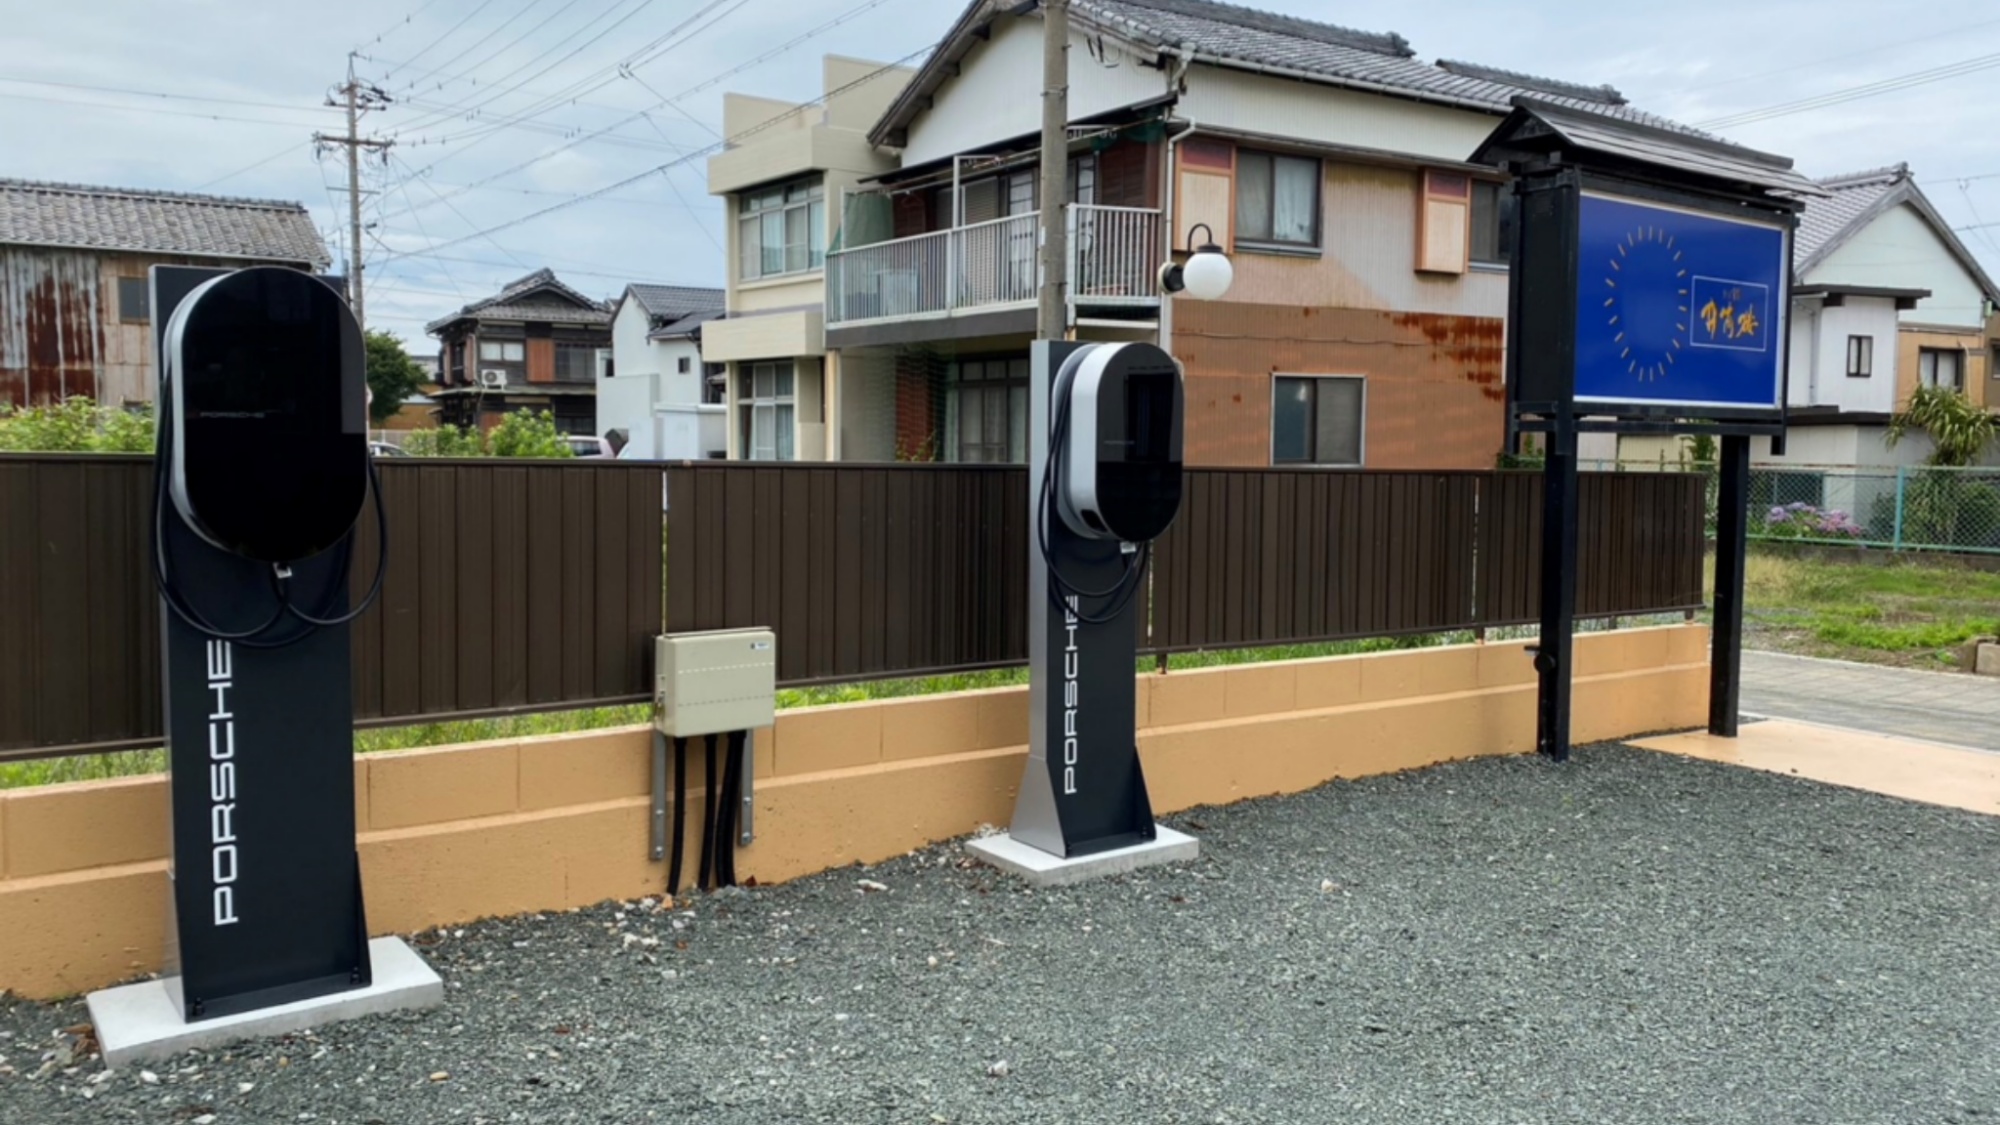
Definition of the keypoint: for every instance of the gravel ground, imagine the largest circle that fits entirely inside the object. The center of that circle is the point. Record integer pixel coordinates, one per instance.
(1632, 938)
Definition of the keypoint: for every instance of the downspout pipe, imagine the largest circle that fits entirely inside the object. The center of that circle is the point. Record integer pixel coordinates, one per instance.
(1171, 166)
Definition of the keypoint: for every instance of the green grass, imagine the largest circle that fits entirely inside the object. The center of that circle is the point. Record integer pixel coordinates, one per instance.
(1913, 613)
(133, 763)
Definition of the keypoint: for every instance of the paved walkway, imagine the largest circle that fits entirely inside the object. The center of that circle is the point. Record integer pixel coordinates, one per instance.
(1878, 763)
(1936, 706)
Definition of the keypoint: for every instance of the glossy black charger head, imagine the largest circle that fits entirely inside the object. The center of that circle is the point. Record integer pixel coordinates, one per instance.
(1122, 464)
(267, 416)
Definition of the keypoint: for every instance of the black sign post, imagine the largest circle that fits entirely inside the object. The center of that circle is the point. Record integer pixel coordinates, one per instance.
(260, 738)
(1651, 282)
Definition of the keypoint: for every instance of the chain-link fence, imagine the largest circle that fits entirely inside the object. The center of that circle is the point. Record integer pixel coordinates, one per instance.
(1905, 508)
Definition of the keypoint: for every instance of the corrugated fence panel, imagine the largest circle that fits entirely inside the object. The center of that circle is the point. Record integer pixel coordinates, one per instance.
(509, 584)
(520, 585)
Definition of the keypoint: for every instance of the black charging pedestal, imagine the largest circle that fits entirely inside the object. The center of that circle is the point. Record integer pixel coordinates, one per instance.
(260, 732)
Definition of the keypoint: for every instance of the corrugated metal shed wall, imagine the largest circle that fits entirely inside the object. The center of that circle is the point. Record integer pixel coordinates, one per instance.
(51, 341)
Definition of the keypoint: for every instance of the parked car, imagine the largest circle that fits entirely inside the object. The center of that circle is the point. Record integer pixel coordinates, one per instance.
(582, 445)
(384, 449)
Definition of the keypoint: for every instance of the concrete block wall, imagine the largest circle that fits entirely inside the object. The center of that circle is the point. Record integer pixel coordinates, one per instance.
(455, 834)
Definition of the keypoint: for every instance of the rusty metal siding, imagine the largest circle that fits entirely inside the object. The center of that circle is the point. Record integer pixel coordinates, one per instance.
(51, 338)
(1434, 399)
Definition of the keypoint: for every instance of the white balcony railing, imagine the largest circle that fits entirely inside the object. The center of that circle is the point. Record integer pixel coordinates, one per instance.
(993, 264)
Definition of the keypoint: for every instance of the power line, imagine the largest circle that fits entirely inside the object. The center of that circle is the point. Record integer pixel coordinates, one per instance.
(157, 94)
(449, 32)
(1856, 93)
(276, 156)
(621, 21)
(522, 38)
(689, 92)
(1876, 49)
(476, 44)
(581, 88)
(400, 24)
(162, 112)
(714, 148)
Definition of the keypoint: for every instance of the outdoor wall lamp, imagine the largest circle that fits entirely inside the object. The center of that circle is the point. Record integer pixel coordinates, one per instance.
(1206, 275)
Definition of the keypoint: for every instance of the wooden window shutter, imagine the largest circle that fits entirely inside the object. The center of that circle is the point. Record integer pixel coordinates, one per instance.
(1206, 192)
(1444, 223)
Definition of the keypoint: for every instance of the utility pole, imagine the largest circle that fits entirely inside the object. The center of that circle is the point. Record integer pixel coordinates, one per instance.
(1052, 319)
(359, 97)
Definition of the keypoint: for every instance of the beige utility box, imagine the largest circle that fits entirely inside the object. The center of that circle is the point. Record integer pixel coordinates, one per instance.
(712, 683)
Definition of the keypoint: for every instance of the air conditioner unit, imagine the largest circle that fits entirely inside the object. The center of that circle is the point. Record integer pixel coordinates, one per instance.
(493, 377)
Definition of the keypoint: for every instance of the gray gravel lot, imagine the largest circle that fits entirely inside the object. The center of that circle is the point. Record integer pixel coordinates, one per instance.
(1631, 938)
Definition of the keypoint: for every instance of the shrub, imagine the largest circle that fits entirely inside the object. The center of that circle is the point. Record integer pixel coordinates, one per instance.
(445, 441)
(528, 434)
(77, 425)
(1800, 520)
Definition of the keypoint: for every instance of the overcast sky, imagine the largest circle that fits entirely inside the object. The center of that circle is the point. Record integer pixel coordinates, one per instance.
(268, 66)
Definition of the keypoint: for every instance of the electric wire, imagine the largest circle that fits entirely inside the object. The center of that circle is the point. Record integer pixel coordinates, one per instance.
(449, 32)
(1855, 93)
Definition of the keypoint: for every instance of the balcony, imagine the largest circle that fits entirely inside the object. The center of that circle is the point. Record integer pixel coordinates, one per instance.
(1114, 253)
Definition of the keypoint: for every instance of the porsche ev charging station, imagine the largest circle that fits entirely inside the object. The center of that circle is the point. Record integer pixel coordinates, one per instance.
(1650, 293)
(262, 473)
(1104, 481)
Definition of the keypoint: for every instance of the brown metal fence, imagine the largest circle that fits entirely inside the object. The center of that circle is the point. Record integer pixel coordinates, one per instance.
(876, 571)
(511, 587)
(520, 586)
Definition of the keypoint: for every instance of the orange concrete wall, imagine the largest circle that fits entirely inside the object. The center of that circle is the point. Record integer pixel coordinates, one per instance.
(455, 834)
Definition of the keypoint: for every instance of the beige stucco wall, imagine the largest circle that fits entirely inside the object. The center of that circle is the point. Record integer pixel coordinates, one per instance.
(455, 834)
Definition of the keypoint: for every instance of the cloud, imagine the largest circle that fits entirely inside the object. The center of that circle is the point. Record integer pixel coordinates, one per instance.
(1692, 60)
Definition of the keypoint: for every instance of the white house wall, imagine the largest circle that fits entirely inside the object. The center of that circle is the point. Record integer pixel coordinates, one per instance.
(1900, 250)
(630, 352)
(997, 95)
(1286, 107)
(1858, 317)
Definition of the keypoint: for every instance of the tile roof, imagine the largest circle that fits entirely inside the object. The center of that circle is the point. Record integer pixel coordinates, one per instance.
(1232, 35)
(1857, 199)
(513, 303)
(674, 301)
(685, 326)
(158, 222)
(1850, 199)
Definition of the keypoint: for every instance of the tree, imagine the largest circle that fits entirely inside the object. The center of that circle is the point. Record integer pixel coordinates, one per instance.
(392, 375)
(1959, 430)
(524, 433)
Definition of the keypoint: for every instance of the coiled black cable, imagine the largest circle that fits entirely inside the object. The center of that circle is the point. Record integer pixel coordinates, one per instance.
(258, 637)
(1132, 577)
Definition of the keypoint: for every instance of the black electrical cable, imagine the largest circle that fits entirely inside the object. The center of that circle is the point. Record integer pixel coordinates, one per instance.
(708, 792)
(257, 638)
(680, 814)
(732, 795)
(381, 561)
(1132, 577)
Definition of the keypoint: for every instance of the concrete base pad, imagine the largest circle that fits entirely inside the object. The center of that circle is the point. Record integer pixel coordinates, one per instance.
(1044, 870)
(141, 1023)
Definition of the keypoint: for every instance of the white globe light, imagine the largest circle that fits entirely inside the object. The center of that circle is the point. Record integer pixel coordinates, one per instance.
(1208, 275)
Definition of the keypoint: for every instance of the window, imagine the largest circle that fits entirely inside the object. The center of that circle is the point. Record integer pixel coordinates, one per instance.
(715, 384)
(502, 351)
(1939, 367)
(1993, 364)
(1860, 357)
(764, 407)
(1317, 420)
(686, 365)
(1492, 223)
(986, 419)
(782, 229)
(134, 300)
(1277, 199)
(576, 363)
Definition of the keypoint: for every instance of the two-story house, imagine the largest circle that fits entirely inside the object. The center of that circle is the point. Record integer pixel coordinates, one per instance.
(1366, 322)
(786, 169)
(532, 346)
(1885, 299)
(655, 386)
(75, 317)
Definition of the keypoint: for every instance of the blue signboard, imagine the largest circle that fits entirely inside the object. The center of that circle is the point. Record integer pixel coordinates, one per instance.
(1679, 308)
